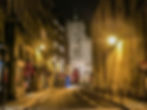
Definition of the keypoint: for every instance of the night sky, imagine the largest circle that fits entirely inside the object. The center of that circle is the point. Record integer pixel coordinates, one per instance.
(65, 9)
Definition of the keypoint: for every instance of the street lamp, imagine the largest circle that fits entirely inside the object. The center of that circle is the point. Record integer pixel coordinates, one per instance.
(112, 40)
(114, 44)
(42, 47)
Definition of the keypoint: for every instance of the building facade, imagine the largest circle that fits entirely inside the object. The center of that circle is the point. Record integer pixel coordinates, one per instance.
(33, 41)
(79, 49)
(119, 67)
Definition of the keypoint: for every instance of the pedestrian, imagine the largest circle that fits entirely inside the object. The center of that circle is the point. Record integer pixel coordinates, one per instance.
(67, 81)
(29, 71)
(75, 76)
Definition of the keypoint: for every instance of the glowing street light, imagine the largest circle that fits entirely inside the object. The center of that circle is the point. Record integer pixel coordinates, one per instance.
(112, 40)
(42, 47)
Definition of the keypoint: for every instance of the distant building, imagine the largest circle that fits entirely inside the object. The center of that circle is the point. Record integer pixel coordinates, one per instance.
(79, 48)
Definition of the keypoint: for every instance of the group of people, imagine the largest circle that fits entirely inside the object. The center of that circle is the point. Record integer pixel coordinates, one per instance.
(66, 80)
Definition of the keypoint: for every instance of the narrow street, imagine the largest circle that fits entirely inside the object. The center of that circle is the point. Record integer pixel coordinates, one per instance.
(66, 99)
(70, 100)
(73, 55)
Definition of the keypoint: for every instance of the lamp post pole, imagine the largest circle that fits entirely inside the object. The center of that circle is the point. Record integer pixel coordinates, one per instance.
(105, 57)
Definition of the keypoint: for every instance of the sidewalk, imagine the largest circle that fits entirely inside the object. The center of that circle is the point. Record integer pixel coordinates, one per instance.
(26, 101)
(129, 103)
(124, 102)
